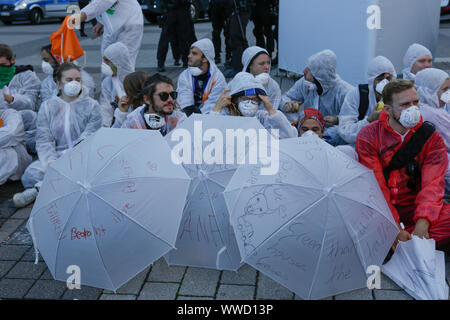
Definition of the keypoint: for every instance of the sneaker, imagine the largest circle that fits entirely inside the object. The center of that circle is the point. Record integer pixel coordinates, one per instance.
(25, 198)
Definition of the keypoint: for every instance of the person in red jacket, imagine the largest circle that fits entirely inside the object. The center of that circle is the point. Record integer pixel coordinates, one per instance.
(414, 193)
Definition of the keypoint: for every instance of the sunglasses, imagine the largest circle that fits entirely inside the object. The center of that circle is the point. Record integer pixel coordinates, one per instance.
(164, 96)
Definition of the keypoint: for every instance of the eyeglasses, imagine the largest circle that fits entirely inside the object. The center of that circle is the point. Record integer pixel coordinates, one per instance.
(164, 96)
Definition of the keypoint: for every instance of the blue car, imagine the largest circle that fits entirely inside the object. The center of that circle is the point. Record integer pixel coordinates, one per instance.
(33, 10)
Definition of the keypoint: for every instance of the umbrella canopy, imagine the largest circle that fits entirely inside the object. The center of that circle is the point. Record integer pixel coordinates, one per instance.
(317, 225)
(419, 268)
(111, 206)
(206, 238)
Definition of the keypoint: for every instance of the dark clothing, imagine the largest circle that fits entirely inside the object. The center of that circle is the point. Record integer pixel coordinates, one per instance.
(261, 16)
(238, 27)
(220, 13)
(82, 4)
(200, 83)
(177, 26)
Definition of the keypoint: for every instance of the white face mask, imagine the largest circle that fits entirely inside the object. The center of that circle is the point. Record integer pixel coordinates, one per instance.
(380, 86)
(154, 121)
(195, 71)
(248, 108)
(445, 97)
(310, 86)
(106, 70)
(309, 133)
(263, 78)
(47, 68)
(72, 88)
(410, 117)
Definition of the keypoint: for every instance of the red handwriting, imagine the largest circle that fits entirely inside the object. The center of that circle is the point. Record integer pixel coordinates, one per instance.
(55, 219)
(126, 167)
(130, 187)
(204, 229)
(52, 183)
(100, 155)
(100, 231)
(79, 235)
(71, 157)
(152, 166)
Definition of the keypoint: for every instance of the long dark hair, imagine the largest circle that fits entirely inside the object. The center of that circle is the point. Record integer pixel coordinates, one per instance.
(134, 86)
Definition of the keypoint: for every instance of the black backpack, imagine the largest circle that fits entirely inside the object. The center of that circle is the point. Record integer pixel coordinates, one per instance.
(404, 157)
(363, 100)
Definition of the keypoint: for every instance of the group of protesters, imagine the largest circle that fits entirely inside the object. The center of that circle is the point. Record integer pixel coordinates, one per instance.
(396, 125)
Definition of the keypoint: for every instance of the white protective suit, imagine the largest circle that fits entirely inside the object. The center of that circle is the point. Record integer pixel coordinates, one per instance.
(414, 53)
(13, 155)
(272, 88)
(112, 87)
(135, 120)
(349, 125)
(428, 82)
(245, 81)
(49, 87)
(61, 126)
(125, 25)
(323, 67)
(214, 88)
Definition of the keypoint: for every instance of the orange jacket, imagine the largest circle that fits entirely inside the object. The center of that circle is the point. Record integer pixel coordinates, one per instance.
(376, 145)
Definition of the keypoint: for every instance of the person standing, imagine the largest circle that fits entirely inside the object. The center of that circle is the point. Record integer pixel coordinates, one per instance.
(220, 18)
(82, 4)
(261, 17)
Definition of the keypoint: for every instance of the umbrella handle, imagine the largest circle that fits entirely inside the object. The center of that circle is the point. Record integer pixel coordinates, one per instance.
(36, 251)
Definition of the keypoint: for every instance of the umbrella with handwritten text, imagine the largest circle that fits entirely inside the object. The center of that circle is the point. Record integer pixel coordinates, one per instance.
(317, 225)
(111, 206)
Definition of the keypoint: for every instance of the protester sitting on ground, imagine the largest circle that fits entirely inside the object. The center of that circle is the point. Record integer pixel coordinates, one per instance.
(115, 67)
(362, 104)
(19, 90)
(416, 58)
(257, 61)
(409, 160)
(244, 97)
(133, 85)
(49, 65)
(200, 86)
(321, 88)
(161, 111)
(63, 122)
(14, 158)
(433, 87)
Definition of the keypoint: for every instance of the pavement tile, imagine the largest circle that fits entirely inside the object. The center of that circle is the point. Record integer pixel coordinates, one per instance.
(21, 237)
(246, 275)
(26, 270)
(392, 295)
(159, 291)
(85, 293)
(194, 298)
(23, 213)
(234, 292)
(11, 225)
(200, 282)
(46, 275)
(14, 288)
(117, 297)
(270, 290)
(133, 286)
(12, 252)
(30, 256)
(46, 289)
(161, 272)
(388, 284)
(360, 294)
(5, 266)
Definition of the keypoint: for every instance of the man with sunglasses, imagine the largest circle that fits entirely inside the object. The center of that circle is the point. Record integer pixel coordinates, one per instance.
(360, 106)
(409, 160)
(161, 111)
(201, 85)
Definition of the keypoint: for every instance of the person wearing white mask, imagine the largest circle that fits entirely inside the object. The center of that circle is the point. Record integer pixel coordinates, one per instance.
(321, 88)
(409, 160)
(362, 104)
(14, 158)
(49, 65)
(416, 58)
(245, 96)
(257, 61)
(63, 122)
(119, 20)
(160, 111)
(201, 84)
(433, 87)
(115, 67)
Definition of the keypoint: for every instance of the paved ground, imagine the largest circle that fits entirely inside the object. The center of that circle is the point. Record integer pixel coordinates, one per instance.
(20, 278)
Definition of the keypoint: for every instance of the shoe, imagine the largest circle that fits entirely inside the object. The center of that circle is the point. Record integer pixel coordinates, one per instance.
(25, 198)
(177, 63)
(230, 73)
(161, 69)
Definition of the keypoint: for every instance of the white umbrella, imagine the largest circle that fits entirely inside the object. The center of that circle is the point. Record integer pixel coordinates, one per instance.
(206, 238)
(317, 225)
(418, 268)
(111, 206)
